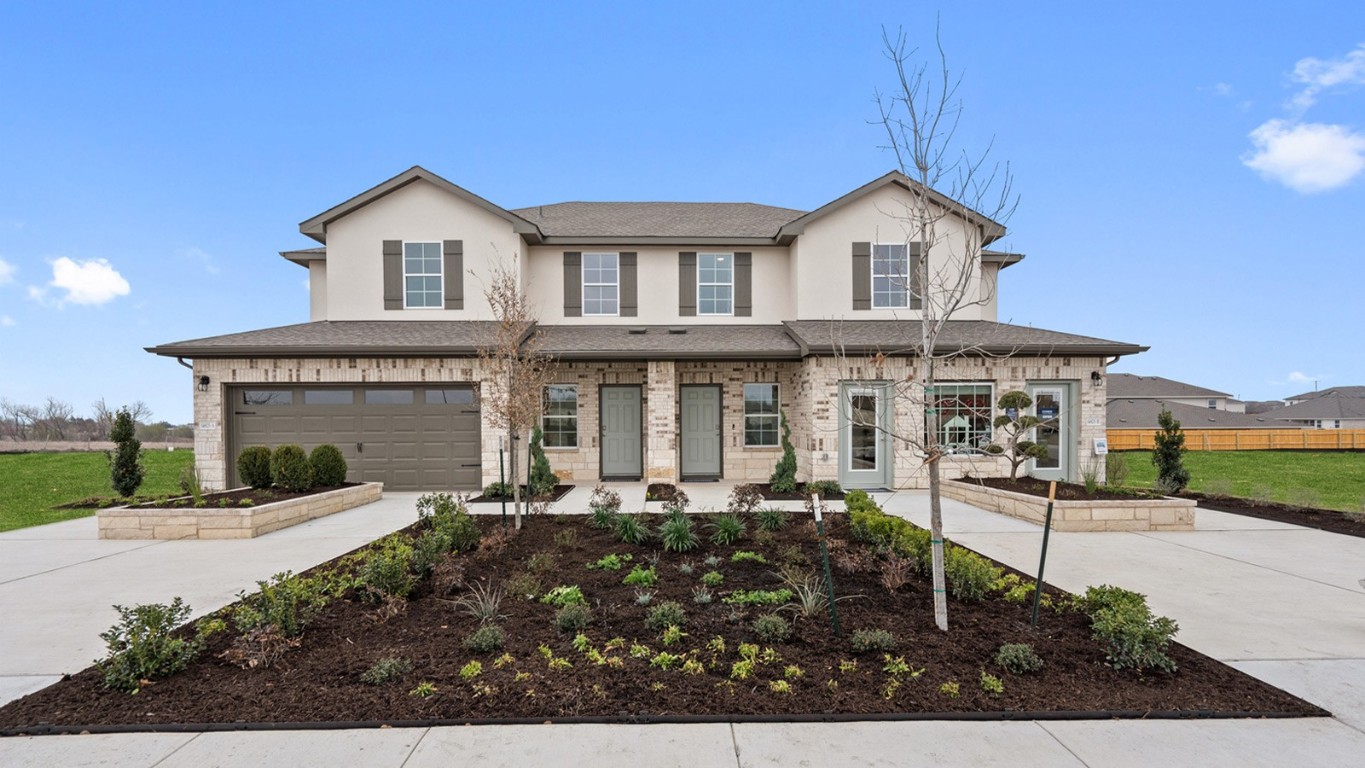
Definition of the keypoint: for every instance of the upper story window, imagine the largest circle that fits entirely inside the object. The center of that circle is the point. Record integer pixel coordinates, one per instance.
(422, 276)
(890, 276)
(715, 284)
(1213, 404)
(601, 284)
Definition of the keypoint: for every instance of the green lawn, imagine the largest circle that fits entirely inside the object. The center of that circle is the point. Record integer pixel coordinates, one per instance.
(33, 483)
(1334, 480)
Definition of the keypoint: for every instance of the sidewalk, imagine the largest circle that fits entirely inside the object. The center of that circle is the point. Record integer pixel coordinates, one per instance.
(1277, 601)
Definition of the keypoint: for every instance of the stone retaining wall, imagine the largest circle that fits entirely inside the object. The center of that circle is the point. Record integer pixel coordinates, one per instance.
(233, 522)
(1164, 514)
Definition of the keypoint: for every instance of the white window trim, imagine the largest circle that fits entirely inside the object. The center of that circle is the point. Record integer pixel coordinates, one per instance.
(990, 413)
(440, 260)
(730, 285)
(878, 444)
(872, 269)
(543, 416)
(584, 284)
(744, 414)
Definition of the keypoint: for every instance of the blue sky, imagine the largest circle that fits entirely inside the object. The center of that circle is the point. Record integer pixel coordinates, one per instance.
(1192, 175)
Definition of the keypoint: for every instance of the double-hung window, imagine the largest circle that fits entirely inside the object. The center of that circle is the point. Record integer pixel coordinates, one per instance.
(760, 415)
(715, 284)
(422, 276)
(890, 276)
(964, 416)
(559, 421)
(601, 284)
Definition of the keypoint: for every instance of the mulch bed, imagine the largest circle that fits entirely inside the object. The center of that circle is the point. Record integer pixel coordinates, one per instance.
(234, 498)
(665, 491)
(558, 493)
(1323, 519)
(660, 492)
(1065, 491)
(320, 681)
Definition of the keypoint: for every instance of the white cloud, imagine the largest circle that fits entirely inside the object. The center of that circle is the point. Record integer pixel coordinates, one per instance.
(201, 257)
(1306, 157)
(6, 321)
(307, 284)
(6, 272)
(1319, 75)
(1296, 377)
(1223, 89)
(85, 282)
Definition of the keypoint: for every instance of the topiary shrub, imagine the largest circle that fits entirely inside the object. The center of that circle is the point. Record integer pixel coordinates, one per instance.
(125, 462)
(289, 467)
(783, 479)
(253, 467)
(328, 465)
(1168, 455)
(1016, 426)
(543, 480)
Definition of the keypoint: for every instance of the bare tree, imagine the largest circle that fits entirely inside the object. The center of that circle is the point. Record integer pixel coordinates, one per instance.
(54, 421)
(520, 372)
(16, 420)
(103, 419)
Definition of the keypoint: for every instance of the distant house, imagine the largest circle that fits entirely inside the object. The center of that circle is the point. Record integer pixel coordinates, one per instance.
(1142, 414)
(1335, 408)
(1129, 386)
(1354, 392)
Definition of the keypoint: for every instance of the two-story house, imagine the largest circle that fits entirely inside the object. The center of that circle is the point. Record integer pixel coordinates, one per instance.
(681, 331)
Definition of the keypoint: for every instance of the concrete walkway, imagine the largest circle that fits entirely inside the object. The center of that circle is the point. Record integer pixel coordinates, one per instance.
(1280, 602)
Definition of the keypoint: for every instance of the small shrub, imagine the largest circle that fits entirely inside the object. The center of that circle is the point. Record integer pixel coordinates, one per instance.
(1018, 658)
(745, 556)
(605, 499)
(471, 670)
(612, 562)
(712, 561)
(253, 466)
(388, 571)
(488, 638)
(286, 601)
(969, 574)
(772, 519)
(663, 615)
(1115, 470)
(783, 479)
(524, 585)
(543, 480)
(864, 640)
(702, 595)
(482, 602)
(386, 669)
(758, 597)
(423, 690)
(602, 518)
(1090, 476)
(449, 515)
(676, 535)
(895, 571)
(677, 503)
(1168, 455)
(428, 550)
(641, 577)
(192, 486)
(497, 490)
(567, 538)
(328, 465)
(141, 646)
(125, 461)
(772, 628)
(686, 568)
(713, 578)
(572, 619)
(992, 684)
(1133, 637)
(726, 529)
(631, 529)
(744, 499)
(565, 595)
(824, 488)
(950, 689)
(672, 635)
(289, 467)
(644, 596)
(541, 563)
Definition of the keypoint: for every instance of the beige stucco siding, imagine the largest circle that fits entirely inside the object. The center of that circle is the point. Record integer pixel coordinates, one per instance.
(419, 212)
(317, 290)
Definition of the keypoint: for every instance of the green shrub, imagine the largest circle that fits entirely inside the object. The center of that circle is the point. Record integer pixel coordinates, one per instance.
(858, 500)
(783, 479)
(1133, 637)
(602, 518)
(726, 529)
(389, 571)
(745, 556)
(286, 601)
(449, 516)
(1168, 455)
(572, 619)
(1116, 469)
(125, 462)
(427, 551)
(253, 466)
(497, 490)
(328, 465)
(141, 646)
(758, 597)
(677, 503)
(1018, 658)
(605, 499)
(676, 535)
(386, 669)
(631, 530)
(543, 480)
(486, 639)
(713, 578)
(565, 595)
(825, 488)
(744, 499)
(992, 684)
(969, 575)
(612, 562)
(772, 519)
(640, 576)
(664, 615)
(864, 640)
(772, 628)
(289, 467)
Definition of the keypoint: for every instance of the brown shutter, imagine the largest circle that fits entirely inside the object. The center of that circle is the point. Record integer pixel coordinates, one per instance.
(916, 289)
(687, 284)
(862, 275)
(573, 284)
(626, 276)
(393, 274)
(744, 284)
(453, 266)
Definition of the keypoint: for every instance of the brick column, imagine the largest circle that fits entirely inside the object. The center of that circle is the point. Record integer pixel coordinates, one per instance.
(661, 431)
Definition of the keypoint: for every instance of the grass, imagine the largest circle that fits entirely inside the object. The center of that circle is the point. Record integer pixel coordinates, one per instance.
(33, 483)
(1336, 478)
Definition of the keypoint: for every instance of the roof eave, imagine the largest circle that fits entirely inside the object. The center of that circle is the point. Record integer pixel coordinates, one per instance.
(309, 352)
(304, 257)
(991, 230)
(656, 240)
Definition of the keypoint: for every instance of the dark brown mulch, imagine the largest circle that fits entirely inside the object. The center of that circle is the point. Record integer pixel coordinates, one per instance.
(1329, 520)
(1066, 491)
(104, 502)
(320, 681)
(660, 492)
(234, 498)
(800, 494)
(558, 493)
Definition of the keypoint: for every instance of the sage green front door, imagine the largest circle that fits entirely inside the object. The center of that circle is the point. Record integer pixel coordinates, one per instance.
(700, 432)
(621, 454)
(1052, 406)
(865, 435)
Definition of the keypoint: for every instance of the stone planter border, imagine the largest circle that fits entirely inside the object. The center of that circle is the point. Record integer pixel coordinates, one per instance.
(232, 522)
(1164, 514)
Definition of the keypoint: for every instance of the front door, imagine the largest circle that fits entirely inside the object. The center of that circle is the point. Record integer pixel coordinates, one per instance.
(864, 436)
(620, 424)
(700, 432)
(1051, 404)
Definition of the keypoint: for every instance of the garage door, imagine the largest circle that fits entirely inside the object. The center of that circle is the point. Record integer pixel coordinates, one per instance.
(411, 438)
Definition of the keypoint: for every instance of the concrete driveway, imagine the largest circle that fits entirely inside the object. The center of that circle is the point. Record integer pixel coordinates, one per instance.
(1280, 602)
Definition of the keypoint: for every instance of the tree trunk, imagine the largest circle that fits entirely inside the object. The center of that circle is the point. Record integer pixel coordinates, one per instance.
(935, 500)
(512, 474)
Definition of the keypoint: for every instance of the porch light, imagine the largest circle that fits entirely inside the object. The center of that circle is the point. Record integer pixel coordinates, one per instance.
(203, 384)
(1095, 378)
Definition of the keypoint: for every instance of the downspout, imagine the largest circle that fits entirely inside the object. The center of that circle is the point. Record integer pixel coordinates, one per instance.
(181, 360)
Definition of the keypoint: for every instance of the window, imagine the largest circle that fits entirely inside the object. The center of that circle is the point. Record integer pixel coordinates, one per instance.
(715, 283)
(388, 397)
(1213, 404)
(450, 397)
(601, 286)
(267, 397)
(890, 276)
(328, 397)
(964, 413)
(760, 415)
(560, 420)
(422, 275)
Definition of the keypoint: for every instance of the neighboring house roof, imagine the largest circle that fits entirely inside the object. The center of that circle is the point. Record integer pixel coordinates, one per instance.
(1347, 391)
(329, 338)
(1142, 414)
(1264, 406)
(653, 220)
(1129, 385)
(1331, 406)
(982, 336)
(668, 342)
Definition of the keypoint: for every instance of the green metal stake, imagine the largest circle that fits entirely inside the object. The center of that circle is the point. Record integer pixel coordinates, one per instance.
(824, 557)
(1042, 561)
(502, 483)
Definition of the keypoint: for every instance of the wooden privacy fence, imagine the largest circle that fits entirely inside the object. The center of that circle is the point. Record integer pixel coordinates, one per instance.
(1246, 439)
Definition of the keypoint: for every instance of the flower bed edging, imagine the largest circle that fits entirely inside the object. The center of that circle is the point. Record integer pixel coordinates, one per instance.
(1164, 514)
(232, 522)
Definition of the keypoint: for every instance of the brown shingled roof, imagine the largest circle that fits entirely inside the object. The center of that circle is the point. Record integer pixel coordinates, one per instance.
(1142, 414)
(649, 220)
(327, 338)
(903, 336)
(668, 342)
